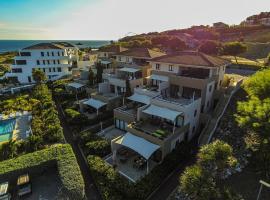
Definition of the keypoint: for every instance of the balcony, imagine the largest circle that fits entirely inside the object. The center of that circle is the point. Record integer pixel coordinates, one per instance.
(177, 101)
(155, 131)
(126, 113)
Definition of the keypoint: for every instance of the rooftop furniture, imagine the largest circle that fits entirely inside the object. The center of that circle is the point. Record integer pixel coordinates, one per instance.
(24, 185)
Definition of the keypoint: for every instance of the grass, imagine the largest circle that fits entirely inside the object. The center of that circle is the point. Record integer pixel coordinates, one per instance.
(257, 50)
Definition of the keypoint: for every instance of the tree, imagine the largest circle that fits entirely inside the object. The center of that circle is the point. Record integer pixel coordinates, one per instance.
(216, 158)
(8, 150)
(91, 77)
(38, 76)
(233, 49)
(99, 72)
(197, 184)
(128, 89)
(210, 47)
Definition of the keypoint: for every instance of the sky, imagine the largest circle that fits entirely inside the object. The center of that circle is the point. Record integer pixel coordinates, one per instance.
(113, 19)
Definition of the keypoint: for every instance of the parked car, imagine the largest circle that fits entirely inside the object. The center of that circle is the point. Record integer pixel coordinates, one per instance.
(24, 185)
(4, 195)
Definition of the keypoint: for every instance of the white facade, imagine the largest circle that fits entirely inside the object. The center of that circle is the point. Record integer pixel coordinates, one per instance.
(55, 62)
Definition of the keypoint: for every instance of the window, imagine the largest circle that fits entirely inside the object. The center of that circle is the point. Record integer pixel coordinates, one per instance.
(42, 53)
(17, 70)
(48, 53)
(54, 62)
(119, 58)
(220, 83)
(50, 69)
(127, 59)
(25, 53)
(69, 69)
(20, 62)
(62, 53)
(210, 88)
(29, 79)
(43, 62)
(105, 54)
(38, 63)
(170, 68)
(54, 69)
(52, 53)
(44, 70)
(59, 69)
(157, 66)
(58, 53)
(202, 108)
(58, 61)
(195, 113)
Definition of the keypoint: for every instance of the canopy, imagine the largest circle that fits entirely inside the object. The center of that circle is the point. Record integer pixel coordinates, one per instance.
(138, 144)
(159, 77)
(75, 85)
(162, 112)
(94, 103)
(128, 69)
(140, 98)
(105, 62)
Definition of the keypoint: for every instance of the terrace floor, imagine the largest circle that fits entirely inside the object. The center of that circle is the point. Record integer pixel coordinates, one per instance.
(45, 187)
(111, 132)
(21, 127)
(127, 169)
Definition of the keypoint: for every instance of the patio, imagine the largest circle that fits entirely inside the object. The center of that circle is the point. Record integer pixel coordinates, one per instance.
(111, 132)
(133, 166)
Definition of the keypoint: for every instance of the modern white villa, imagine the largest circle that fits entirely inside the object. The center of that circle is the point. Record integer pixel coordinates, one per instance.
(55, 59)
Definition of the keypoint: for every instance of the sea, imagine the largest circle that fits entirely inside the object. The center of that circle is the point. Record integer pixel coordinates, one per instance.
(16, 45)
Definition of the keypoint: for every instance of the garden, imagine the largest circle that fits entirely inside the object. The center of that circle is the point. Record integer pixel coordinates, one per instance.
(45, 125)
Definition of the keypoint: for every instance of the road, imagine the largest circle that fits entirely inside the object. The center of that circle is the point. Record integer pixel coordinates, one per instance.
(91, 190)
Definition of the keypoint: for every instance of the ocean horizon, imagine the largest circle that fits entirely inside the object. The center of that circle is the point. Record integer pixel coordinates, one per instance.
(16, 45)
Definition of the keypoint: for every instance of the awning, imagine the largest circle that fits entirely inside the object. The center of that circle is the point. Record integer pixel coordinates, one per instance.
(75, 85)
(140, 98)
(159, 77)
(127, 69)
(105, 62)
(162, 112)
(94, 103)
(136, 143)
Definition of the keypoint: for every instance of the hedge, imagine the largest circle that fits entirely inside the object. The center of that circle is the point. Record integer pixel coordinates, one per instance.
(113, 186)
(60, 154)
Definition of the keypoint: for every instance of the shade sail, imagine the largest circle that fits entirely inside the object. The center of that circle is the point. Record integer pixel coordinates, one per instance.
(94, 103)
(162, 112)
(138, 144)
(105, 62)
(127, 69)
(159, 77)
(140, 98)
(75, 85)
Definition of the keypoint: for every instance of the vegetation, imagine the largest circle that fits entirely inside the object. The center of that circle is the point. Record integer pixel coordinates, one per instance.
(201, 181)
(61, 155)
(91, 77)
(46, 128)
(253, 114)
(210, 47)
(38, 76)
(233, 49)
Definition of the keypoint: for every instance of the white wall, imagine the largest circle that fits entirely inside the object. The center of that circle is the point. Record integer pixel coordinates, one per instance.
(209, 96)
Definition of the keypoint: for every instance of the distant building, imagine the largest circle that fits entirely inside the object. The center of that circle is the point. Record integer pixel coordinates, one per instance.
(55, 59)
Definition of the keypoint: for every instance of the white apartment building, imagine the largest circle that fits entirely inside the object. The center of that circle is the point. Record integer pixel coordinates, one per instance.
(55, 59)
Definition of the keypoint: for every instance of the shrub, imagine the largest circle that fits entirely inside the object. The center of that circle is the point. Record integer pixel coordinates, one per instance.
(98, 147)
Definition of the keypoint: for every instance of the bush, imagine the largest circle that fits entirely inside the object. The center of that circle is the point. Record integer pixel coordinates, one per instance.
(98, 147)
(62, 155)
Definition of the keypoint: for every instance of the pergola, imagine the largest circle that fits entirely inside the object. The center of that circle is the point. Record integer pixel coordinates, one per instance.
(97, 104)
(137, 144)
